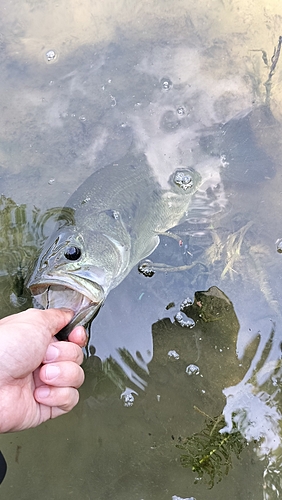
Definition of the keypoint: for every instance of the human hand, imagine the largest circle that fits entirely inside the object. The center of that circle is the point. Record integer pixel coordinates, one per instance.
(39, 375)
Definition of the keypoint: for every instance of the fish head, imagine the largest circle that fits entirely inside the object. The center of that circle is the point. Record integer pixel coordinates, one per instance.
(74, 270)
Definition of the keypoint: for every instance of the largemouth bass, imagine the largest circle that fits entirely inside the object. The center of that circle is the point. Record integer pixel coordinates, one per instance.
(109, 224)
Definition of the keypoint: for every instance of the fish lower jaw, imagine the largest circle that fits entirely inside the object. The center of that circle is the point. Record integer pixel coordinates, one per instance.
(58, 295)
(53, 295)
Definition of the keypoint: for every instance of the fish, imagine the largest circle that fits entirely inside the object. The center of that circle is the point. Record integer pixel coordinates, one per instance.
(109, 224)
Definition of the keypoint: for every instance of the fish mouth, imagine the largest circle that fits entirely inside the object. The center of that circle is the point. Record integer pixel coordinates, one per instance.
(84, 299)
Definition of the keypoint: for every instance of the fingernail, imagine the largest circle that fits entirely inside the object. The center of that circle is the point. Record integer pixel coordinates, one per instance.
(51, 371)
(43, 392)
(51, 354)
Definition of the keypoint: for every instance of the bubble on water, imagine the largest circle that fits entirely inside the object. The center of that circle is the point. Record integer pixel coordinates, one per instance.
(113, 101)
(115, 214)
(183, 179)
(146, 268)
(128, 400)
(51, 56)
(51, 181)
(192, 369)
(279, 245)
(182, 321)
(186, 303)
(173, 354)
(175, 497)
(86, 200)
(224, 161)
(181, 111)
(166, 83)
(128, 397)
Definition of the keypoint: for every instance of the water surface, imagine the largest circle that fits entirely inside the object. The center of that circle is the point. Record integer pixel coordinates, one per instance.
(186, 85)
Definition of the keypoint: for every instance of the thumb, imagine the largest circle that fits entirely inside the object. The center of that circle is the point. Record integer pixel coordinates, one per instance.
(24, 338)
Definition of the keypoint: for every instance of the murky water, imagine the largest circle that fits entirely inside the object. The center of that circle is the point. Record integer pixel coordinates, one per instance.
(186, 85)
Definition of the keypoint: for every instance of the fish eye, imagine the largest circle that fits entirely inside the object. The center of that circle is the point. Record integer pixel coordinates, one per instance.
(73, 253)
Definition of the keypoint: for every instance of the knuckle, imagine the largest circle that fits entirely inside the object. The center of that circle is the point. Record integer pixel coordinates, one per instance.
(80, 377)
(75, 352)
(69, 352)
(74, 375)
(69, 399)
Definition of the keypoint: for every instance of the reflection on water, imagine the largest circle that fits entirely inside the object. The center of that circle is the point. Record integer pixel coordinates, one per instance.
(171, 353)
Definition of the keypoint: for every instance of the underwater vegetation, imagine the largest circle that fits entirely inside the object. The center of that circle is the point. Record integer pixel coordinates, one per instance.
(21, 235)
(209, 452)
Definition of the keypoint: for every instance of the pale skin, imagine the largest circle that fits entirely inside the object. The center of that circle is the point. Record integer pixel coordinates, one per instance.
(39, 375)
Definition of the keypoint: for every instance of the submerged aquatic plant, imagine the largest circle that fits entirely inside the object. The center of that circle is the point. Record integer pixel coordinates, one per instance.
(22, 232)
(209, 452)
(17, 249)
